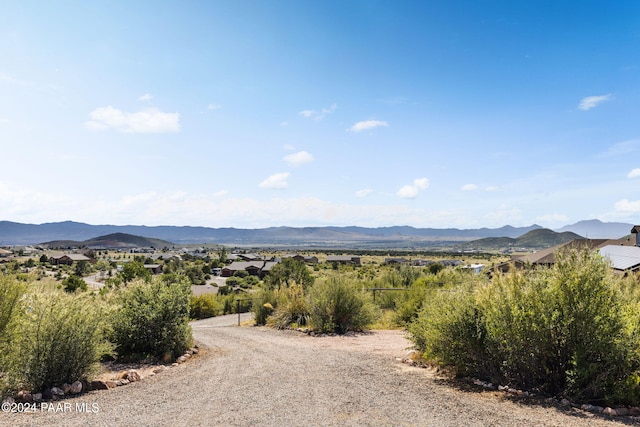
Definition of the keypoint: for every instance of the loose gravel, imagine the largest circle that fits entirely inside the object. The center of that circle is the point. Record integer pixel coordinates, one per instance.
(256, 376)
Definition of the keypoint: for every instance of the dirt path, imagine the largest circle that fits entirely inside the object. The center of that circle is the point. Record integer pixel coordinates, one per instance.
(250, 376)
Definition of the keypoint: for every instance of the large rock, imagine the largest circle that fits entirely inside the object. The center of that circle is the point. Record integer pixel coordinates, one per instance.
(24, 396)
(57, 391)
(75, 388)
(610, 411)
(132, 375)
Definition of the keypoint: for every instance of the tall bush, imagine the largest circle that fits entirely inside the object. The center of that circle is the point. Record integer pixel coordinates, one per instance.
(60, 339)
(339, 305)
(11, 294)
(572, 330)
(152, 319)
(291, 307)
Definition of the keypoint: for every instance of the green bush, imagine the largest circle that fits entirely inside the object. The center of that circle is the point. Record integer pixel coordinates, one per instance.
(152, 319)
(11, 293)
(262, 305)
(204, 306)
(450, 330)
(339, 305)
(291, 308)
(571, 330)
(60, 339)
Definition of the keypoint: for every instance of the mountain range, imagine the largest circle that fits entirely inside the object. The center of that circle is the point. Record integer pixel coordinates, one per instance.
(13, 233)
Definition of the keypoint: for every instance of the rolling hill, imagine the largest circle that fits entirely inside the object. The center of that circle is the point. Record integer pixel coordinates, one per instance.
(534, 239)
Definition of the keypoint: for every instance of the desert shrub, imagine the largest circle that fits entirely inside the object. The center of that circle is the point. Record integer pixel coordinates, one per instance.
(60, 339)
(262, 305)
(241, 274)
(235, 281)
(204, 306)
(292, 307)
(571, 329)
(339, 305)
(11, 293)
(152, 319)
(224, 290)
(450, 330)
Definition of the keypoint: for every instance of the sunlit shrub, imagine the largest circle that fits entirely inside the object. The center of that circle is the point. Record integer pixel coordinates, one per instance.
(339, 305)
(152, 319)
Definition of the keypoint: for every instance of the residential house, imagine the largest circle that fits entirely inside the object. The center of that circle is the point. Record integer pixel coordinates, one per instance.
(344, 259)
(68, 259)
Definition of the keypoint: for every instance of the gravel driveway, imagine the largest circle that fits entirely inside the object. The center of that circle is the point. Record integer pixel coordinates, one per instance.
(254, 376)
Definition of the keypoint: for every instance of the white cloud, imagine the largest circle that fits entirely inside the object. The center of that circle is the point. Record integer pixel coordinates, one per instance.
(214, 107)
(220, 193)
(625, 206)
(150, 120)
(364, 192)
(145, 97)
(366, 125)
(276, 181)
(491, 188)
(469, 187)
(299, 158)
(635, 173)
(593, 101)
(318, 115)
(412, 191)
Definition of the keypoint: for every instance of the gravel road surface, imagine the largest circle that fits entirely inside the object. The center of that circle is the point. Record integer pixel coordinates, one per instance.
(254, 376)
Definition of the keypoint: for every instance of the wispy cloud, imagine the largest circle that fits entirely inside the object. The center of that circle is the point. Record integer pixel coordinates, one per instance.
(214, 107)
(276, 181)
(364, 192)
(366, 125)
(318, 115)
(299, 158)
(593, 101)
(412, 191)
(623, 148)
(15, 81)
(220, 193)
(491, 188)
(635, 173)
(146, 97)
(150, 120)
(469, 187)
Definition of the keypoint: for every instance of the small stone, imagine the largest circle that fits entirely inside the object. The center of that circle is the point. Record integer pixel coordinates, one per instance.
(124, 381)
(187, 356)
(181, 359)
(587, 407)
(57, 391)
(159, 369)
(98, 385)
(512, 391)
(565, 402)
(24, 396)
(111, 384)
(76, 387)
(195, 350)
(609, 411)
(66, 387)
(622, 411)
(174, 364)
(491, 386)
(634, 411)
(503, 388)
(133, 375)
(597, 409)
(37, 397)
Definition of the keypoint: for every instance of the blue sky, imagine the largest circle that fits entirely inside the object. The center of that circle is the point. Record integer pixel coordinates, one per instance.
(304, 113)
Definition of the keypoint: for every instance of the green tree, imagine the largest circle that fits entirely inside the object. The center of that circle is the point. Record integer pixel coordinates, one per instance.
(133, 270)
(287, 272)
(73, 283)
